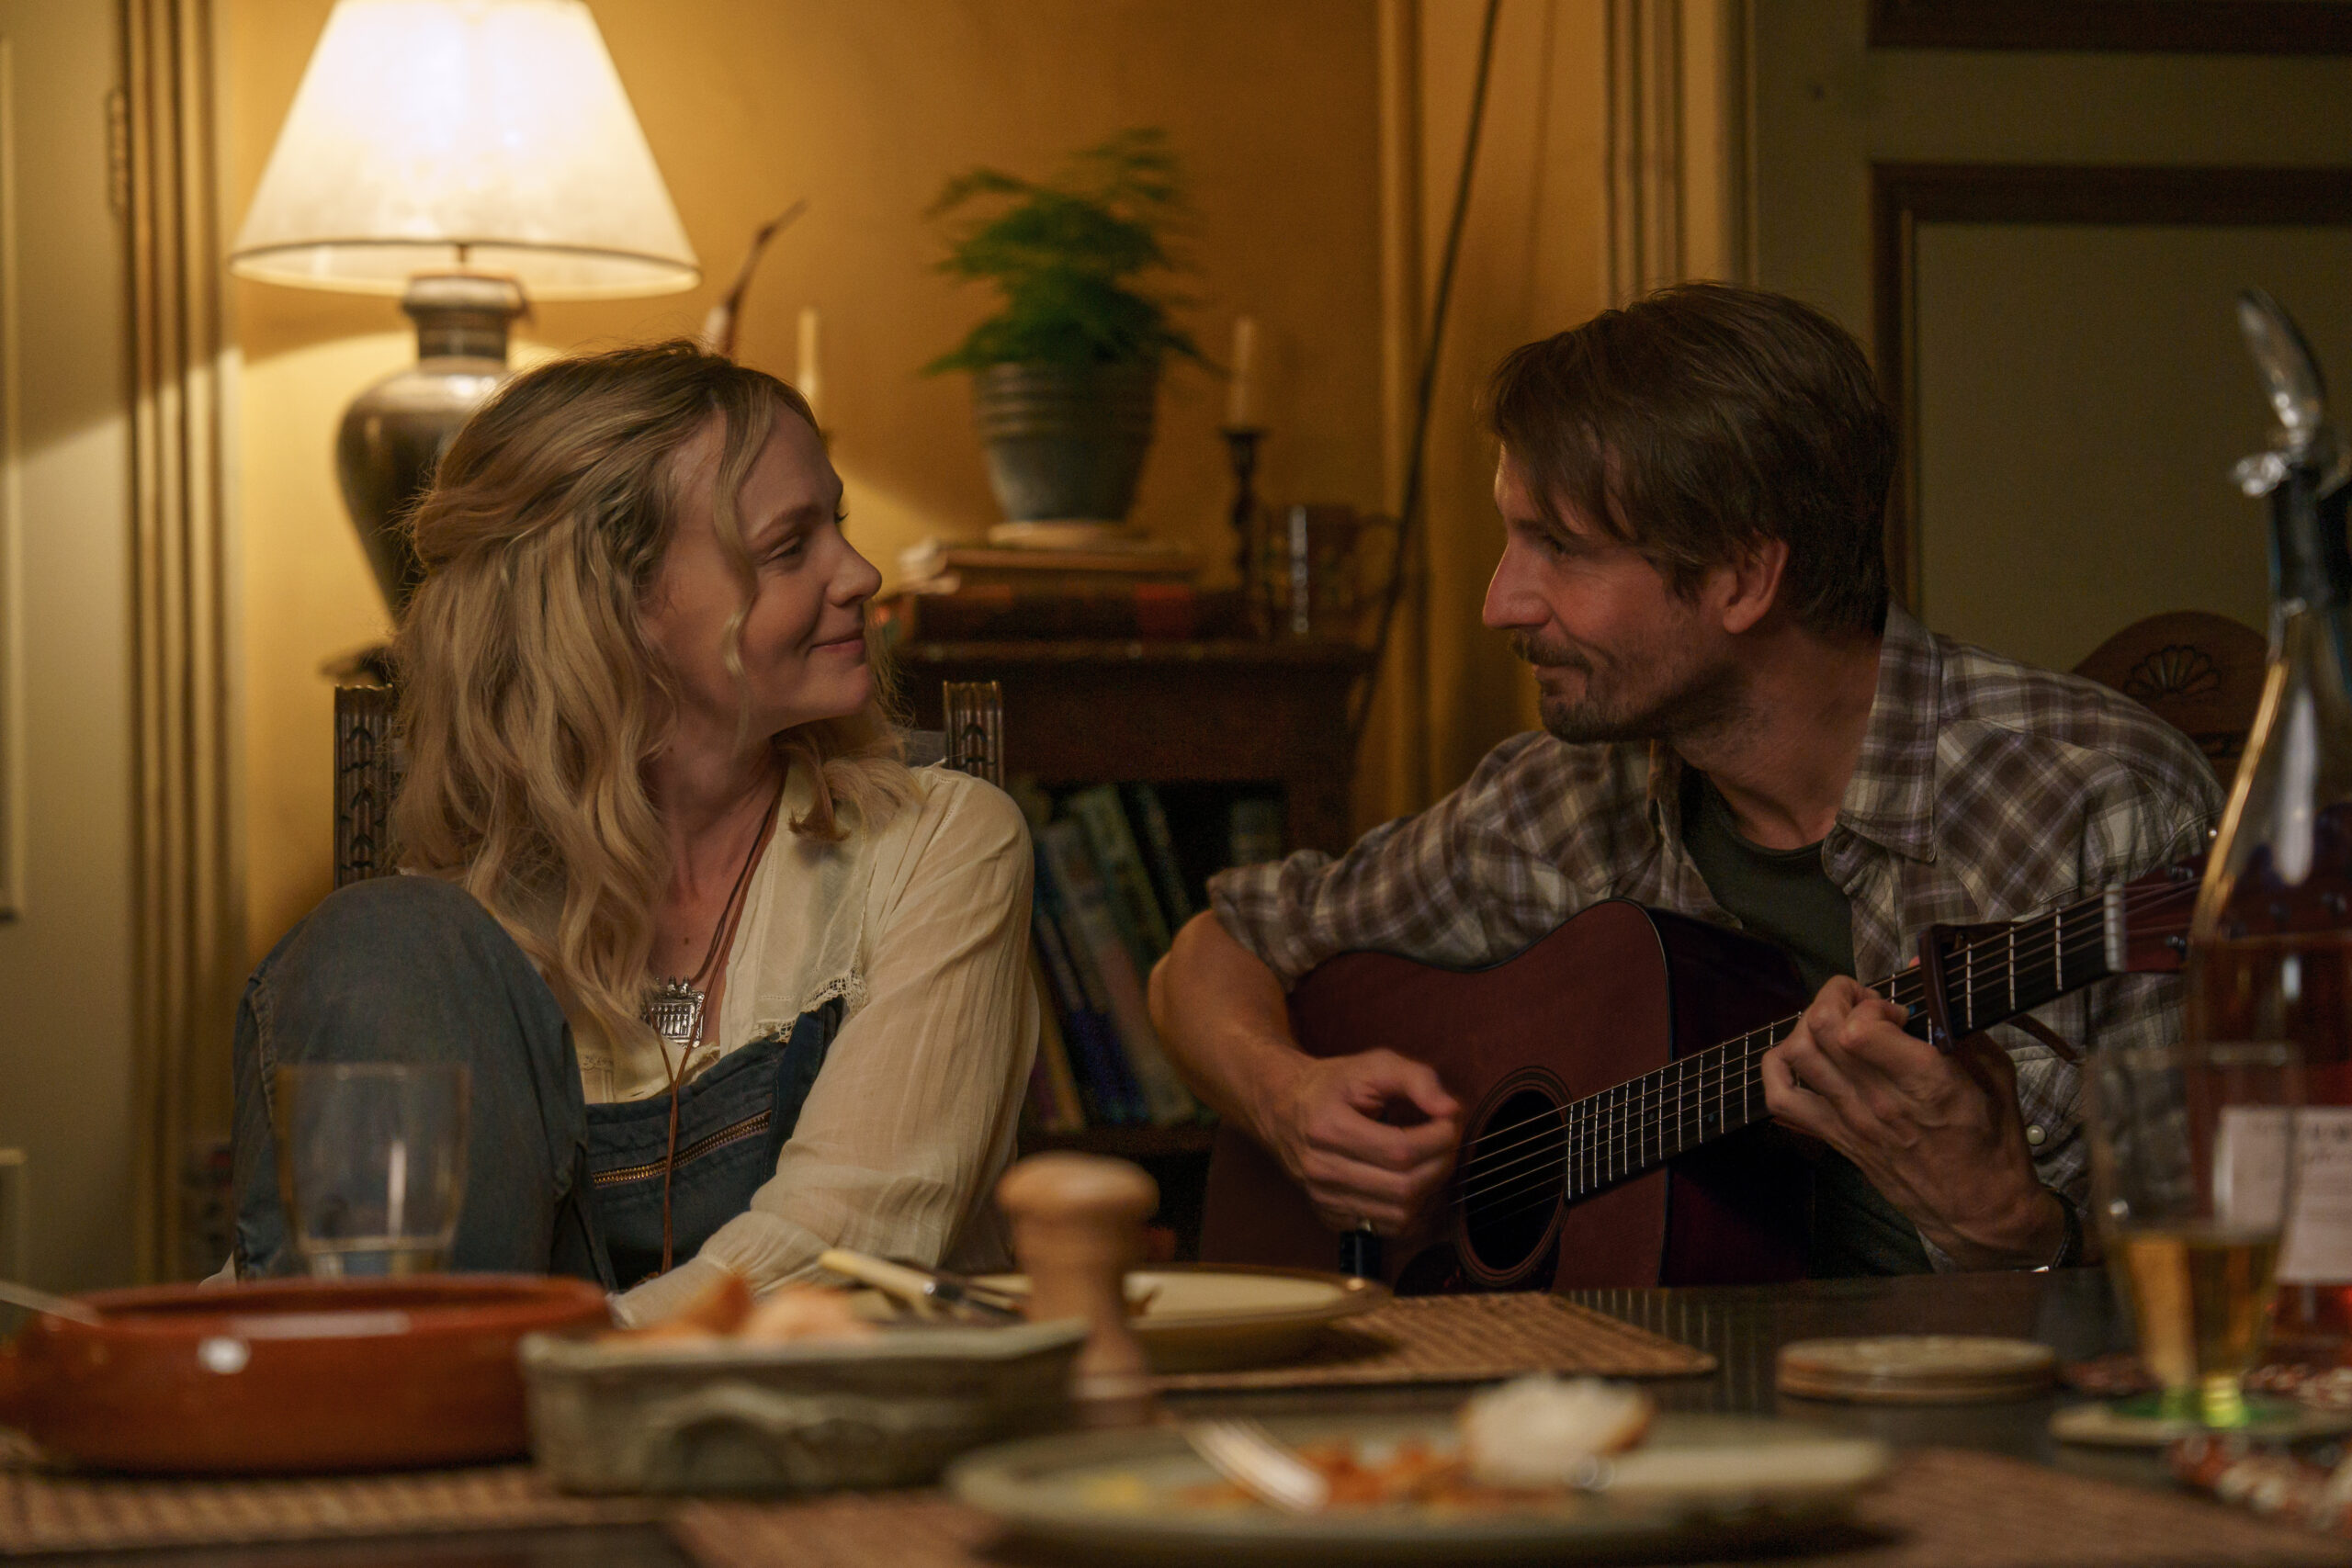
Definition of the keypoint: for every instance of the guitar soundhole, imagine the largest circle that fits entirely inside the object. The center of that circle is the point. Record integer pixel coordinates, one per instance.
(1512, 1178)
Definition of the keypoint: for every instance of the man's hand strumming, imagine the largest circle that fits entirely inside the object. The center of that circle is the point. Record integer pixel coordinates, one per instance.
(1326, 1118)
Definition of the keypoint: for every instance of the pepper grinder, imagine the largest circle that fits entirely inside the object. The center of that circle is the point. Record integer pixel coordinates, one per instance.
(1076, 1229)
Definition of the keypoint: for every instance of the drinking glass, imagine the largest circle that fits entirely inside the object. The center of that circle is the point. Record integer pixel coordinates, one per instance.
(2193, 1171)
(371, 1163)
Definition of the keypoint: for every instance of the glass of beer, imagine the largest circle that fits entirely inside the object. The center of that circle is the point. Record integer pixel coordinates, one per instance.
(371, 1163)
(2193, 1174)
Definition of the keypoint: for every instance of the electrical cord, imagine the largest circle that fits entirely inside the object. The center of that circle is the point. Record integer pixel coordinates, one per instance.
(1410, 508)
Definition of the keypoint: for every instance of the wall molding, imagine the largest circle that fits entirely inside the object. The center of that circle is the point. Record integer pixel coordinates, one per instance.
(1677, 159)
(12, 466)
(1904, 196)
(1645, 153)
(186, 904)
(2200, 27)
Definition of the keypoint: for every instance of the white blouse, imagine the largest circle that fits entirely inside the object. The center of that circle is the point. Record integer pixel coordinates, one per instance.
(923, 930)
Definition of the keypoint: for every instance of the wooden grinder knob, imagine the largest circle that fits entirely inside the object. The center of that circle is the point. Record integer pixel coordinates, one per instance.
(1076, 1229)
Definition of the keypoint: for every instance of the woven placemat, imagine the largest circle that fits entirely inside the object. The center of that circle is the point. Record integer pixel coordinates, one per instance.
(1942, 1508)
(44, 1511)
(1467, 1339)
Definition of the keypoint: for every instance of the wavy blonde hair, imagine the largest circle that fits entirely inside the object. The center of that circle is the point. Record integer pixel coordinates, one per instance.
(530, 695)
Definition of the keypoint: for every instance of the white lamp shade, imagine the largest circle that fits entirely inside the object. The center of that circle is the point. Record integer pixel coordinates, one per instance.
(490, 135)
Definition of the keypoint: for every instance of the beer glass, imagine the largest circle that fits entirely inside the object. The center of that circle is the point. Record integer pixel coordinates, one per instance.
(371, 1163)
(2193, 1172)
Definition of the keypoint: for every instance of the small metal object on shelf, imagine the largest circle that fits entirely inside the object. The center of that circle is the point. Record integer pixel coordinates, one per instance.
(974, 715)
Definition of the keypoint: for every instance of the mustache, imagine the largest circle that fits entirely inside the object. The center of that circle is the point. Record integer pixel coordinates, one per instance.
(1548, 655)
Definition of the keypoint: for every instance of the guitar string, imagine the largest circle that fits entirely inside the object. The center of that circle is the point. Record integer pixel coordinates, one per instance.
(1603, 1162)
(1994, 975)
(1635, 1137)
(1645, 1133)
(1653, 1090)
(1659, 1109)
(1669, 1091)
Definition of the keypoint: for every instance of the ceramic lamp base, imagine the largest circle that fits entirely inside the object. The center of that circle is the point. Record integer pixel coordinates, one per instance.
(393, 433)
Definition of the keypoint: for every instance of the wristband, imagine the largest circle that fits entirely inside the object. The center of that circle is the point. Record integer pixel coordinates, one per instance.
(2070, 1247)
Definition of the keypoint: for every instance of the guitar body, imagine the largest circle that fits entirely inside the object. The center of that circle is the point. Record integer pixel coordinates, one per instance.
(1618, 991)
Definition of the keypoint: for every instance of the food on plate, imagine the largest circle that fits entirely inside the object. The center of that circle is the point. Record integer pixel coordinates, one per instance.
(1531, 1442)
(1544, 1431)
(725, 1312)
(798, 1312)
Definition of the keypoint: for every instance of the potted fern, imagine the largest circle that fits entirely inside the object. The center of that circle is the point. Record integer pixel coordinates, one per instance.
(1066, 374)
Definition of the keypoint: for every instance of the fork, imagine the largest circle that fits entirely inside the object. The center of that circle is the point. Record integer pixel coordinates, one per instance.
(1261, 1464)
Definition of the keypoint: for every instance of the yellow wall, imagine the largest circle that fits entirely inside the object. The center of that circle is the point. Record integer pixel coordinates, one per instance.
(864, 109)
(1533, 263)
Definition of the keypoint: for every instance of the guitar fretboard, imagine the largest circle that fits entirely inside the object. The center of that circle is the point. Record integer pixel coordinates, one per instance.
(1640, 1124)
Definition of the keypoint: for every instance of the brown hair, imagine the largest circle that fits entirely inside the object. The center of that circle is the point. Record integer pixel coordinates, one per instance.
(1703, 419)
(530, 695)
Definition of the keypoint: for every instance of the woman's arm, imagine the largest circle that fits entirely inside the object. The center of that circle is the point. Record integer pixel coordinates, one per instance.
(915, 1112)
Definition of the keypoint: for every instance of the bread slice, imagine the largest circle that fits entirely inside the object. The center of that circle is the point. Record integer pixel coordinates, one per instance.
(1544, 1431)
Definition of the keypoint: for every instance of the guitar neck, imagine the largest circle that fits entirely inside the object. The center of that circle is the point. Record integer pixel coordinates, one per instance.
(1994, 975)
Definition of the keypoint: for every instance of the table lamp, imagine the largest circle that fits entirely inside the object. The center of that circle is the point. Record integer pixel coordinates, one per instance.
(463, 154)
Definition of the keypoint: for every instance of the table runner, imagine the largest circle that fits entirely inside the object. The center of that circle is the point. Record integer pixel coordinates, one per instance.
(45, 1511)
(1941, 1508)
(1467, 1339)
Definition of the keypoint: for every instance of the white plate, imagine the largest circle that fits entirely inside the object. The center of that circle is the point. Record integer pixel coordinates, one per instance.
(1219, 1317)
(1713, 1483)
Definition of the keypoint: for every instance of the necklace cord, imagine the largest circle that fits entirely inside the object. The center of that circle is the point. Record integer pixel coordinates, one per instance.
(730, 914)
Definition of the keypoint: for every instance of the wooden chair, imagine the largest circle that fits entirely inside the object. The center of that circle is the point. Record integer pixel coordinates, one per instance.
(2201, 674)
(367, 764)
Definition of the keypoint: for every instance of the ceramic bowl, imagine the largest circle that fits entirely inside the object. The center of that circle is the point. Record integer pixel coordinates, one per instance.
(285, 1377)
(721, 1416)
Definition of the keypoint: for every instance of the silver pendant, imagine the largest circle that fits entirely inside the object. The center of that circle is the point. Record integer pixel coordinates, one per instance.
(674, 1009)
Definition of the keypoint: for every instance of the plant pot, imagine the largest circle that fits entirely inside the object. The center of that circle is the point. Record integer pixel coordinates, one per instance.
(1065, 443)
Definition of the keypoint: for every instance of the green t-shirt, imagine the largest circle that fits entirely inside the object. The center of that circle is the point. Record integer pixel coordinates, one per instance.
(1785, 898)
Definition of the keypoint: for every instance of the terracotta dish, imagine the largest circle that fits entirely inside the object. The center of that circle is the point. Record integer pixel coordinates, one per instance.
(288, 1376)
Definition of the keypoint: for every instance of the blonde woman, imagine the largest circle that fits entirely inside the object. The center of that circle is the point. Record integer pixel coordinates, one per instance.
(734, 984)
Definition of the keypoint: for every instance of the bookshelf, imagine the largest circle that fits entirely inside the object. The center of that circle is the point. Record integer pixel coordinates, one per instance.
(1206, 724)
(1235, 711)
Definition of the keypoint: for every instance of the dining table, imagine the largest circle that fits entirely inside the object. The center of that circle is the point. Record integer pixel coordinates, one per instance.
(2073, 1311)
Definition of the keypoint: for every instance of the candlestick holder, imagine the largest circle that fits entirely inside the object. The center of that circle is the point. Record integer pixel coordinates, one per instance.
(1242, 451)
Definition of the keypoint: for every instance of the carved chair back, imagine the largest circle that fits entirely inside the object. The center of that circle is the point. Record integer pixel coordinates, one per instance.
(2201, 674)
(367, 764)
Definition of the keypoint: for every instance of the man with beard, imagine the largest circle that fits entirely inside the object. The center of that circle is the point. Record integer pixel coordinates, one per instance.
(1737, 725)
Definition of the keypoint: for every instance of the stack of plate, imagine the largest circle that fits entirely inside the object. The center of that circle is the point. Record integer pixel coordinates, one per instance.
(1917, 1369)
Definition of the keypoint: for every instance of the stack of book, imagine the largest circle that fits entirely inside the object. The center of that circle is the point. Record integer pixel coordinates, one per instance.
(1110, 893)
(954, 592)
(945, 566)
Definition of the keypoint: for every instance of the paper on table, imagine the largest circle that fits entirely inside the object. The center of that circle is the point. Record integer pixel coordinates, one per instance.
(2250, 1163)
(2249, 1166)
(2319, 1240)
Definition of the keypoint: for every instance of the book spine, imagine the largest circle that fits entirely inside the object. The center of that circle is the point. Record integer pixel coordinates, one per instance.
(1054, 1087)
(1256, 831)
(1147, 814)
(1125, 883)
(1107, 1091)
(1092, 926)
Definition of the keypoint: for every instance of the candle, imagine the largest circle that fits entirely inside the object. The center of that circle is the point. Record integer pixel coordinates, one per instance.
(1241, 398)
(810, 379)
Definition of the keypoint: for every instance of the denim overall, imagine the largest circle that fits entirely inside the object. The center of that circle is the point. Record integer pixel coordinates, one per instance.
(411, 969)
(732, 1122)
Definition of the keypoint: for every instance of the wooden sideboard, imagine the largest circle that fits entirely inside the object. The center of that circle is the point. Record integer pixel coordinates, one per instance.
(1268, 711)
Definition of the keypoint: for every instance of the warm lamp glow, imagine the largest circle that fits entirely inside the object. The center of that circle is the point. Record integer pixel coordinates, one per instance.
(488, 135)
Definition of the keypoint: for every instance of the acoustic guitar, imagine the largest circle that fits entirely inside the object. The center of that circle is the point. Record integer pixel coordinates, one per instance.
(1572, 1173)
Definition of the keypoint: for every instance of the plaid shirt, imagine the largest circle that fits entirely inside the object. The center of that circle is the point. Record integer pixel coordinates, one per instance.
(1985, 790)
